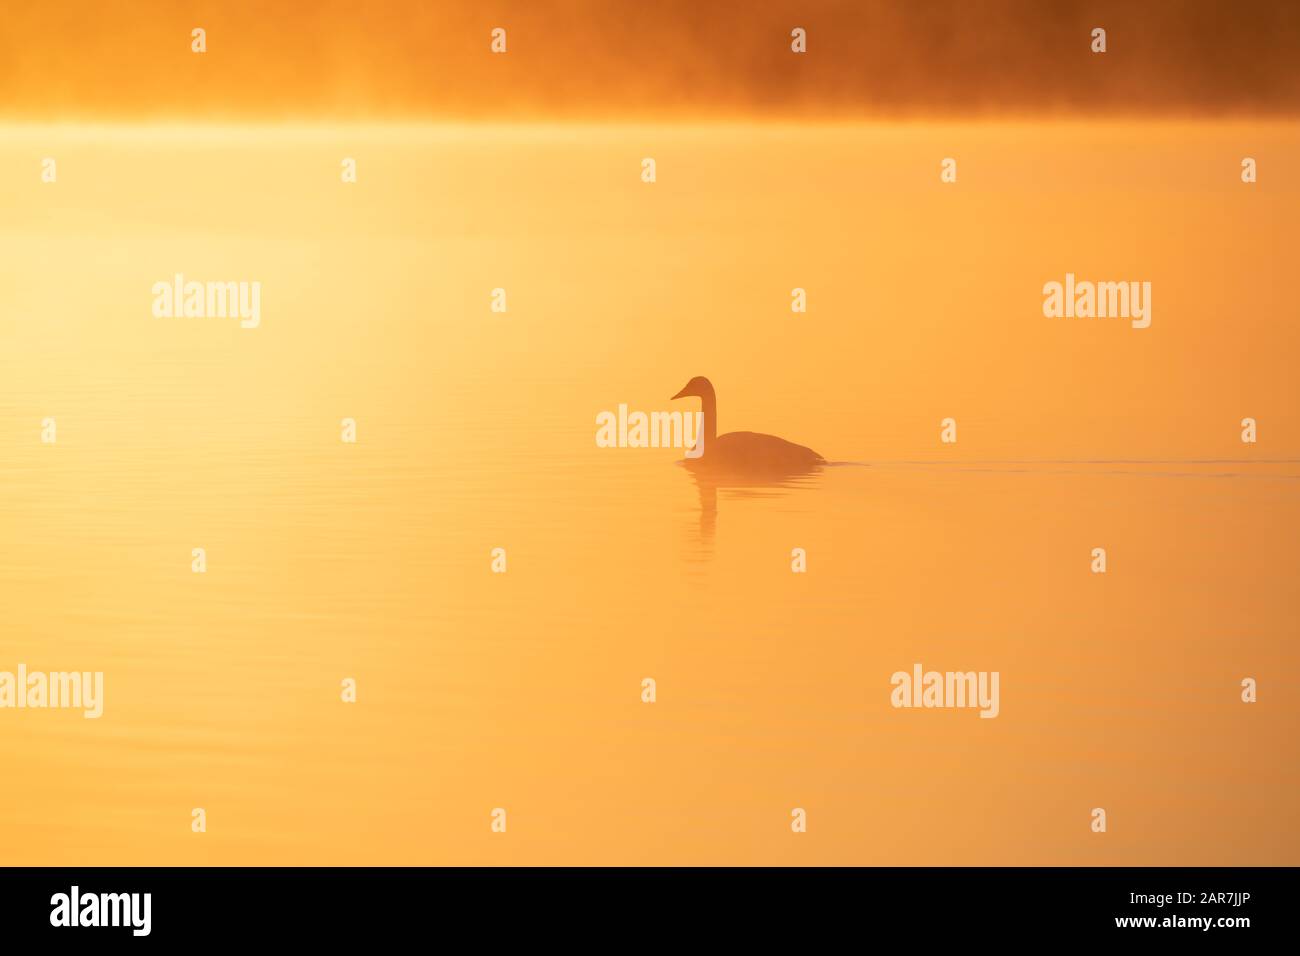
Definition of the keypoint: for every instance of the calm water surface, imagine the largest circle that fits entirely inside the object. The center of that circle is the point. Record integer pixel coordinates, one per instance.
(476, 431)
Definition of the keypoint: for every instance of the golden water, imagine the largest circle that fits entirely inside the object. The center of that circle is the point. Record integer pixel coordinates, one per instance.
(476, 430)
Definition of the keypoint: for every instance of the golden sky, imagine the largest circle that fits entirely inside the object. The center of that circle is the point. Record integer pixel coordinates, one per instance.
(78, 59)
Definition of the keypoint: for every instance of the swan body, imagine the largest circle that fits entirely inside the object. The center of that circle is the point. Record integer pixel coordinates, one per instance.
(742, 452)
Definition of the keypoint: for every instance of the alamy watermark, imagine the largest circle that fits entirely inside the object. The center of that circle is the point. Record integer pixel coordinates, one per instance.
(624, 429)
(73, 690)
(76, 908)
(1074, 299)
(947, 689)
(179, 299)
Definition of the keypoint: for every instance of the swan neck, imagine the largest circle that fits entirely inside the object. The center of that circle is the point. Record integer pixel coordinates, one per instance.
(709, 411)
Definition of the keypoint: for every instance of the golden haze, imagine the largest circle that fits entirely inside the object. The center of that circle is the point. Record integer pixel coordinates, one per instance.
(476, 431)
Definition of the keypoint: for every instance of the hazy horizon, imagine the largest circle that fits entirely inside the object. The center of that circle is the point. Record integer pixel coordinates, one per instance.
(578, 58)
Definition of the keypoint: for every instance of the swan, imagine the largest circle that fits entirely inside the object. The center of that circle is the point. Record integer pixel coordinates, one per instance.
(741, 452)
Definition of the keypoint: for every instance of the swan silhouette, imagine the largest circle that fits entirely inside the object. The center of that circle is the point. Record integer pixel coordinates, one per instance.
(742, 453)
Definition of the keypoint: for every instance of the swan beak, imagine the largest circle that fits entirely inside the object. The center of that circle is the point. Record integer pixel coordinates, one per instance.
(682, 394)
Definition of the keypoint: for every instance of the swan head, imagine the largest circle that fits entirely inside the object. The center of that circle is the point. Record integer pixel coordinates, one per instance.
(698, 387)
